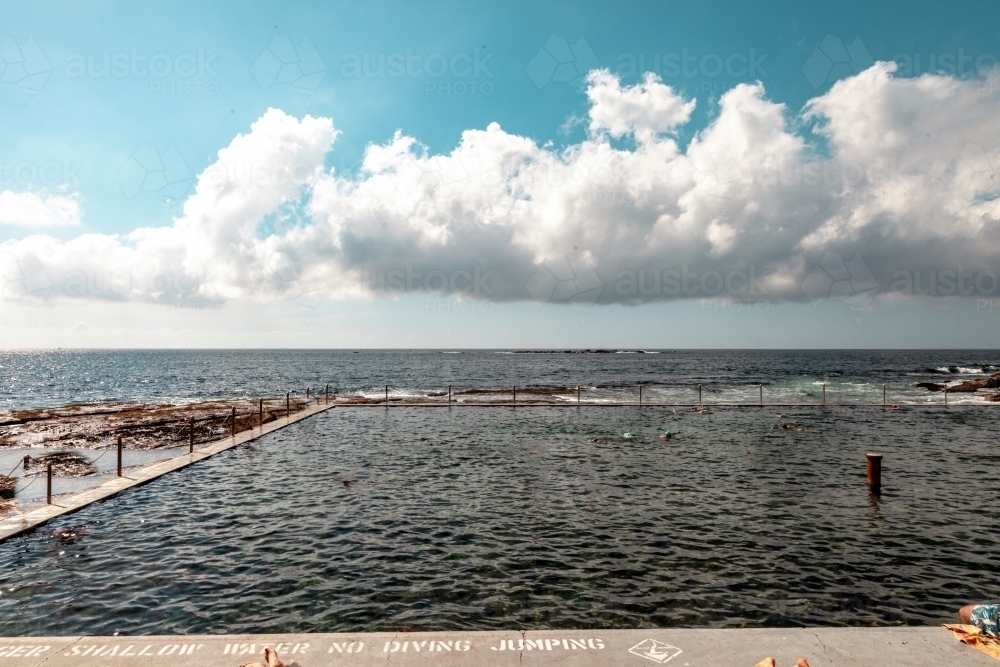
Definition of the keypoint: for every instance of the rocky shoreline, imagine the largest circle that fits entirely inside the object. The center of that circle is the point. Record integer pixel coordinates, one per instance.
(141, 425)
(968, 386)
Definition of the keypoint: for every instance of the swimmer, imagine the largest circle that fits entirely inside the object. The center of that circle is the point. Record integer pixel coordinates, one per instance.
(895, 407)
(271, 659)
(783, 416)
(666, 435)
(788, 427)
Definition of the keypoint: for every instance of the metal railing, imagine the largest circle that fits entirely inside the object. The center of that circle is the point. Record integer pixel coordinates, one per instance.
(624, 398)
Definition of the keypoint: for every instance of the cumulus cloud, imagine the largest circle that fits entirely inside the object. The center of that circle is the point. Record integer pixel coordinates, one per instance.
(38, 210)
(644, 111)
(903, 179)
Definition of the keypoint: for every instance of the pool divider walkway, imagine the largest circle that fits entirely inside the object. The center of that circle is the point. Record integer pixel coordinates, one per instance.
(19, 523)
(822, 647)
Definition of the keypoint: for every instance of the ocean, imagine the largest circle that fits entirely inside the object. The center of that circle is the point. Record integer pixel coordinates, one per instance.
(31, 379)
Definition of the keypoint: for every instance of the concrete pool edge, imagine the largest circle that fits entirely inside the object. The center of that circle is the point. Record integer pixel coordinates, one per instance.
(825, 646)
(20, 523)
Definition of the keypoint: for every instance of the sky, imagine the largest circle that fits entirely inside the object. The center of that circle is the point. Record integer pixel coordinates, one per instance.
(514, 175)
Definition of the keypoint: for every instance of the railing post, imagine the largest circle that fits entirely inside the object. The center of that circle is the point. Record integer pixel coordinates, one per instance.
(824, 393)
(119, 456)
(327, 394)
(449, 395)
(578, 394)
(883, 395)
(191, 437)
(761, 387)
(946, 397)
(260, 412)
(232, 427)
(699, 395)
(513, 388)
(640, 394)
(288, 404)
(874, 473)
(48, 492)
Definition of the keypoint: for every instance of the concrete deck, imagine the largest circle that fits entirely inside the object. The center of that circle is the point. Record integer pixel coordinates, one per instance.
(822, 647)
(23, 522)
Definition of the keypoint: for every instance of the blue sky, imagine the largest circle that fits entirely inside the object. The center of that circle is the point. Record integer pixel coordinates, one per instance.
(94, 94)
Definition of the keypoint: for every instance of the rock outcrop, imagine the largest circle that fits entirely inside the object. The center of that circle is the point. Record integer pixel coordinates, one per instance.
(991, 382)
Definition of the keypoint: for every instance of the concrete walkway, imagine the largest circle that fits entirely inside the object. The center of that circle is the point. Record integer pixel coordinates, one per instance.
(822, 647)
(23, 522)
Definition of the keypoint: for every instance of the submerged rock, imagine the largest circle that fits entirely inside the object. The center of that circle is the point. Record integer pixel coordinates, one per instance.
(7, 485)
(64, 464)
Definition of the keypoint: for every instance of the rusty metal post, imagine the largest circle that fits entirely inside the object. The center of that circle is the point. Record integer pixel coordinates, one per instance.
(119, 456)
(288, 404)
(48, 492)
(307, 394)
(874, 473)
(27, 461)
(260, 412)
(232, 427)
(327, 394)
(191, 437)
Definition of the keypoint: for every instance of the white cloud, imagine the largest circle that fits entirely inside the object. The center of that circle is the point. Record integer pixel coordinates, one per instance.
(38, 210)
(907, 178)
(644, 111)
